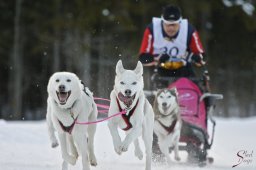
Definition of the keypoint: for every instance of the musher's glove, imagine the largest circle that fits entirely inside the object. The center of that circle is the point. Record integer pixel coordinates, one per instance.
(198, 60)
(163, 58)
(146, 58)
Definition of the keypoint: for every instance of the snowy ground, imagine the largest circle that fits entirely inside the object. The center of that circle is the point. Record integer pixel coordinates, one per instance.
(25, 146)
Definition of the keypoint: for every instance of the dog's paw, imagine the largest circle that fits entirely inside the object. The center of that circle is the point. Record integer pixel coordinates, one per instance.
(138, 153)
(74, 153)
(124, 147)
(118, 150)
(117, 147)
(55, 144)
(93, 162)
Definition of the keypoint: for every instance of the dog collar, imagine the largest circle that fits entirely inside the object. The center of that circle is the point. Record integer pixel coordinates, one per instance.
(125, 117)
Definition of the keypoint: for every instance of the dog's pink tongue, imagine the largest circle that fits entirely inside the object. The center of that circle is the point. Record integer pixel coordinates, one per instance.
(63, 97)
(127, 100)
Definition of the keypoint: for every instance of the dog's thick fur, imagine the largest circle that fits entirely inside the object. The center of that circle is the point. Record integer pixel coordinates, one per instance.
(129, 84)
(167, 111)
(68, 101)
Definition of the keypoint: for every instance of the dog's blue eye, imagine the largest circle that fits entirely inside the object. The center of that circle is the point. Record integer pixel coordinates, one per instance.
(68, 80)
(169, 96)
(161, 97)
(57, 80)
(122, 82)
(134, 83)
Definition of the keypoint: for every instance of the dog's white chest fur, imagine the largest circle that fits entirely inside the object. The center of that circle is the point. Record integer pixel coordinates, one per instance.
(64, 115)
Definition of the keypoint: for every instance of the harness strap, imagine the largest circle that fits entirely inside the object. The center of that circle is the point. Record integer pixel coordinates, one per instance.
(125, 117)
(170, 128)
(68, 129)
(84, 88)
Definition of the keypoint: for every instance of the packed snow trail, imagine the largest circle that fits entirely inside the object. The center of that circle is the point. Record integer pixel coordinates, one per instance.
(25, 146)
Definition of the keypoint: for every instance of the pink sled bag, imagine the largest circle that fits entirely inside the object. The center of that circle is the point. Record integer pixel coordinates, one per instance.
(192, 110)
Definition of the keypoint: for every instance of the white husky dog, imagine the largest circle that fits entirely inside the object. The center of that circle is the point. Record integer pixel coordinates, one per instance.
(168, 121)
(68, 102)
(139, 118)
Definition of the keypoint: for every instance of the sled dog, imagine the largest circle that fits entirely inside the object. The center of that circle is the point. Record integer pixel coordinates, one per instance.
(167, 125)
(69, 101)
(139, 118)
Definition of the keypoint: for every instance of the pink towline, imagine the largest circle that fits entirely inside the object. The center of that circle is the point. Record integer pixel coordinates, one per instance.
(105, 109)
(103, 106)
(102, 120)
(98, 98)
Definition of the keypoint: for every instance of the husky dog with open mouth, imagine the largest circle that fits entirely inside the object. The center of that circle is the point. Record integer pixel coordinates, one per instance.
(167, 126)
(128, 95)
(69, 101)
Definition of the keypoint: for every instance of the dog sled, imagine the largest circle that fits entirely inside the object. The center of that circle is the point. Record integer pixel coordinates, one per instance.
(196, 108)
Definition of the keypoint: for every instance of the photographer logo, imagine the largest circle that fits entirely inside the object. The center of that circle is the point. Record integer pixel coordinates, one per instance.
(244, 157)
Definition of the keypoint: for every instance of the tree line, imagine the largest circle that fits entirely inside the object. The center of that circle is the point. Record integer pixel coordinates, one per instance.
(38, 38)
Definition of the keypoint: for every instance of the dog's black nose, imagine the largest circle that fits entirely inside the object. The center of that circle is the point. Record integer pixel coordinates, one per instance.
(164, 104)
(61, 88)
(128, 92)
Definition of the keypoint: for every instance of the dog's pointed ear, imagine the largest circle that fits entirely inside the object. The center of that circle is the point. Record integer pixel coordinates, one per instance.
(119, 67)
(156, 92)
(139, 69)
(175, 91)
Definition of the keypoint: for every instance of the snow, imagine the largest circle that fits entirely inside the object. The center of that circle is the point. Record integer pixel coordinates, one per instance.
(25, 146)
(247, 7)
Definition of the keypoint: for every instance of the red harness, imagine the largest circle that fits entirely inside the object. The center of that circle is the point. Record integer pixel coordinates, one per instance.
(125, 117)
(68, 129)
(170, 128)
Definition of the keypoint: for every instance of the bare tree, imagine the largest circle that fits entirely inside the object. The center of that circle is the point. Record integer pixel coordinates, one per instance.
(56, 55)
(15, 81)
(56, 42)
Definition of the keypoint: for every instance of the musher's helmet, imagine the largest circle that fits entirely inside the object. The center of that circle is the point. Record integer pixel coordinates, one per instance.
(171, 14)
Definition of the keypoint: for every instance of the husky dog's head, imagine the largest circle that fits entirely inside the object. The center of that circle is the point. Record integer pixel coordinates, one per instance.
(128, 83)
(64, 88)
(166, 101)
